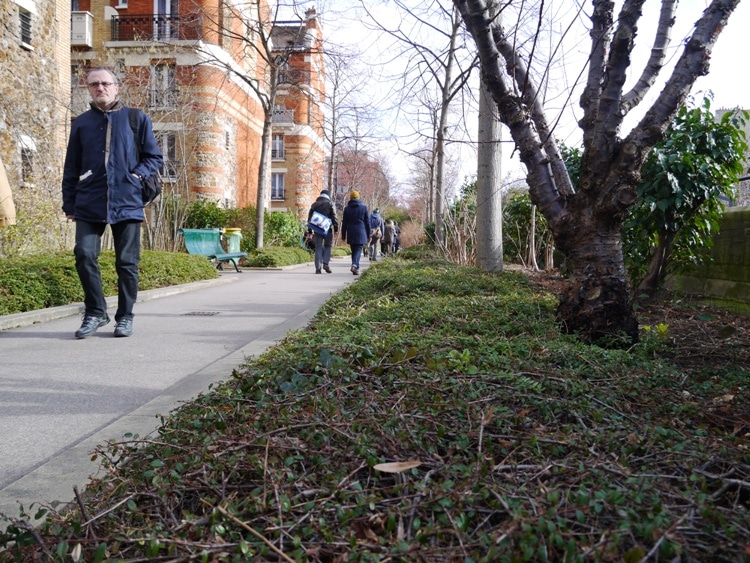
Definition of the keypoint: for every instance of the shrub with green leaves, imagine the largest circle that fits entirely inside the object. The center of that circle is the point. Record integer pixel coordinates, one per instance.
(205, 214)
(686, 180)
(276, 257)
(282, 229)
(517, 212)
(50, 280)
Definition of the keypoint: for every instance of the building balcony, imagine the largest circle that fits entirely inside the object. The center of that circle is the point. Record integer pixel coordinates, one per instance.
(282, 116)
(155, 27)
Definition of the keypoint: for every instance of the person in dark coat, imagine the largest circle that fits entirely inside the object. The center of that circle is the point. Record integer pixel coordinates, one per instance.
(323, 243)
(101, 186)
(355, 228)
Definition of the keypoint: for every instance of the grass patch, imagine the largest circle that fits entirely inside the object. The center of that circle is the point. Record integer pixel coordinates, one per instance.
(531, 446)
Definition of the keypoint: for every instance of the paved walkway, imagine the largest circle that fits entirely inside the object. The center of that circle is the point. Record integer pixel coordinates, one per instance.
(61, 397)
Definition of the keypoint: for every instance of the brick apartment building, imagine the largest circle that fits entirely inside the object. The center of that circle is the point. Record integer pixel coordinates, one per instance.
(298, 155)
(189, 65)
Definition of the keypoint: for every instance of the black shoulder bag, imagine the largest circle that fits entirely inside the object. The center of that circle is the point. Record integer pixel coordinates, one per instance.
(150, 185)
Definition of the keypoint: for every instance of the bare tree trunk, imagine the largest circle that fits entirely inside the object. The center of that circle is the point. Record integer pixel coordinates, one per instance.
(447, 94)
(657, 266)
(532, 241)
(263, 183)
(489, 219)
(597, 304)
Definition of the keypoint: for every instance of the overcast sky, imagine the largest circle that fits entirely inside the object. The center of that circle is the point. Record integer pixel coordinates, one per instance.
(343, 21)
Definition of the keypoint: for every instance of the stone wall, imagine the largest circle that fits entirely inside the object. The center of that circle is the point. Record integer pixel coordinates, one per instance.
(34, 120)
(727, 279)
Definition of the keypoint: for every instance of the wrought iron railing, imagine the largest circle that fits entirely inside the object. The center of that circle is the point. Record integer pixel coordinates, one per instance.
(156, 27)
(282, 116)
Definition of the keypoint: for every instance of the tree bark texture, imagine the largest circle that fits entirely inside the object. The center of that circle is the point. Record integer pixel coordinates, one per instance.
(586, 224)
(489, 219)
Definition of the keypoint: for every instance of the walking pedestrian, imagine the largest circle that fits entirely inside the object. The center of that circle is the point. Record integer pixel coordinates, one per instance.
(101, 185)
(376, 229)
(355, 228)
(322, 238)
(389, 235)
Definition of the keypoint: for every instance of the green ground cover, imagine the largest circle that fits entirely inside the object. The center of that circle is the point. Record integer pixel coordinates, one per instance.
(511, 441)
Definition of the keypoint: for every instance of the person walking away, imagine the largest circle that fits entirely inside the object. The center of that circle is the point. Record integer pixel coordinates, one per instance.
(355, 228)
(389, 234)
(323, 242)
(101, 186)
(376, 227)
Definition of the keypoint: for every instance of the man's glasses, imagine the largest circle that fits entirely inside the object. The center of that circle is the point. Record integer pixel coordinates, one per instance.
(102, 84)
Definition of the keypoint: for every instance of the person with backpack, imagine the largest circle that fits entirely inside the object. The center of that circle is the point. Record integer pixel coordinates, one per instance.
(355, 228)
(376, 227)
(322, 237)
(104, 164)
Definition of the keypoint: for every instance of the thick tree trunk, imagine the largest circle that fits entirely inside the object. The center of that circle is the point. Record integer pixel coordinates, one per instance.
(597, 304)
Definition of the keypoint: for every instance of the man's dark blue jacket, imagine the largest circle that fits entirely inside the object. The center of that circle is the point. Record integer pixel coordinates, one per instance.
(98, 194)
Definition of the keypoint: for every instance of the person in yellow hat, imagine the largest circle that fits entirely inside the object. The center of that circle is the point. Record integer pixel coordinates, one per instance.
(355, 228)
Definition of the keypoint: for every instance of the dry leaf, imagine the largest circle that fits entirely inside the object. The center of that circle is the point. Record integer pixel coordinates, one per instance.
(397, 466)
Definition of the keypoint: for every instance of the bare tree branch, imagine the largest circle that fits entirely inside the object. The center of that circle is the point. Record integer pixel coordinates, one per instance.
(656, 60)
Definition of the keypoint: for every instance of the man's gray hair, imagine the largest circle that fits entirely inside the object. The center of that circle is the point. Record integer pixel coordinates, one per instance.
(104, 69)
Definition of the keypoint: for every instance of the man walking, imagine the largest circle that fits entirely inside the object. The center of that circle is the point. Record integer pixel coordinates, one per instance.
(101, 186)
(323, 241)
(355, 228)
(376, 228)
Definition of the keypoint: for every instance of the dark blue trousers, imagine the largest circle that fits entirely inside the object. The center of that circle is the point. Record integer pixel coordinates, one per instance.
(127, 239)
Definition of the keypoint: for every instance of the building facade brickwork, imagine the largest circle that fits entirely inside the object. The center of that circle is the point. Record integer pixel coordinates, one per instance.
(300, 159)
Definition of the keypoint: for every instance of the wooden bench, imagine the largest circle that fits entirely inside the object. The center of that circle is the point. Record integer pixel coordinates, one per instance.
(207, 242)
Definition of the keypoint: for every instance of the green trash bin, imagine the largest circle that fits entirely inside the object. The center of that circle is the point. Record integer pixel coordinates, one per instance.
(234, 236)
